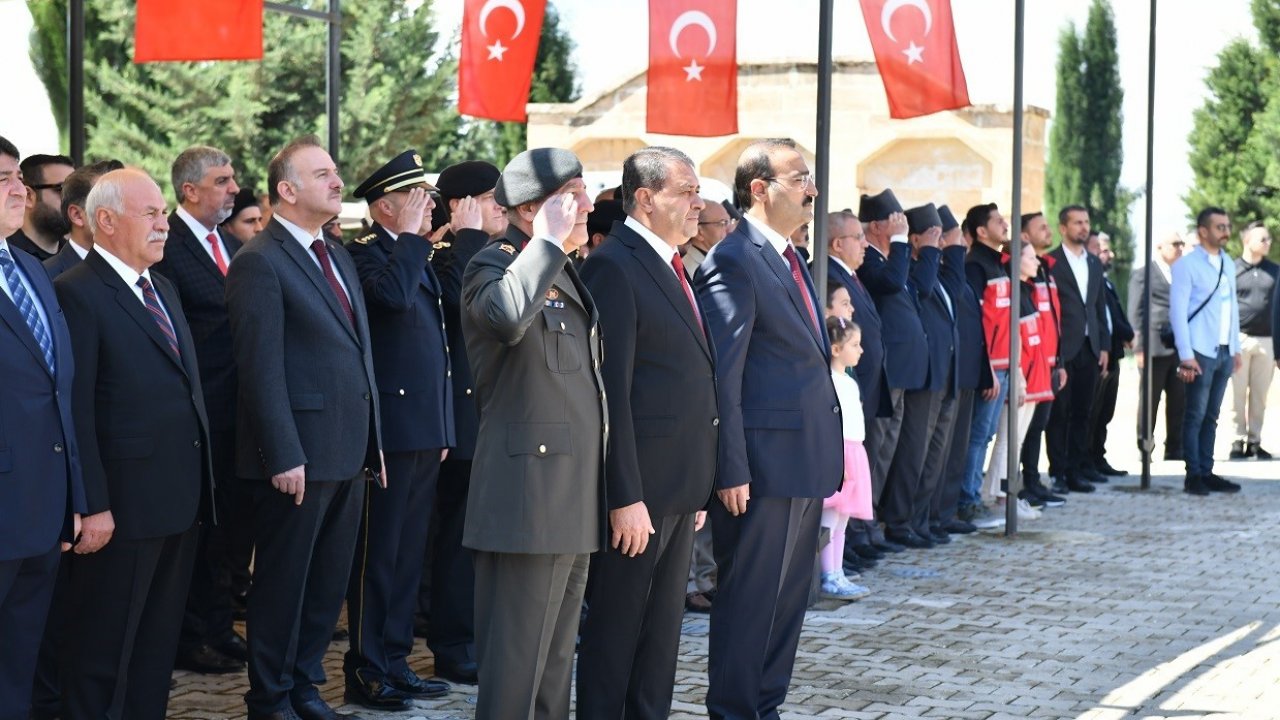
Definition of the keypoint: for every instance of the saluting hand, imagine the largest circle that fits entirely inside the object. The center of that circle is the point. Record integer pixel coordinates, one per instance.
(556, 217)
(897, 224)
(631, 528)
(291, 482)
(466, 215)
(931, 237)
(414, 212)
(735, 498)
(95, 532)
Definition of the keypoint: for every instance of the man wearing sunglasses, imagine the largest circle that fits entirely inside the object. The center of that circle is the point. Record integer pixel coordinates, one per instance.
(44, 229)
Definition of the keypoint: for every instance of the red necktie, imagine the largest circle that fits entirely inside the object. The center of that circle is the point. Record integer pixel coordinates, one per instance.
(678, 266)
(218, 260)
(322, 253)
(798, 276)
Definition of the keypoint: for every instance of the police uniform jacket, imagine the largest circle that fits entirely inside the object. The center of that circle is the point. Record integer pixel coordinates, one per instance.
(537, 478)
(448, 263)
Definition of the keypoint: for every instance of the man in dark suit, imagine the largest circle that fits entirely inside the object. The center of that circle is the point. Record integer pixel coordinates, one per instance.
(780, 433)
(41, 497)
(1084, 344)
(196, 257)
(411, 364)
(44, 228)
(535, 511)
(144, 442)
(1104, 399)
(307, 428)
(1147, 347)
(75, 191)
(660, 374)
(467, 190)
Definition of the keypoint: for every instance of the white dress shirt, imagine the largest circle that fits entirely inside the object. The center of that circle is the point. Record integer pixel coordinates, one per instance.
(130, 278)
(665, 252)
(1079, 265)
(305, 239)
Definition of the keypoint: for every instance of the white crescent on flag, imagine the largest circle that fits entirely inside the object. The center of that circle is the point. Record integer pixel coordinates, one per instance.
(693, 17)
(893, 6)
(514, 6)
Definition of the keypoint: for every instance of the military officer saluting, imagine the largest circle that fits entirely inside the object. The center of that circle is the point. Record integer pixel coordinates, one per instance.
(536, 508)
(411, 367)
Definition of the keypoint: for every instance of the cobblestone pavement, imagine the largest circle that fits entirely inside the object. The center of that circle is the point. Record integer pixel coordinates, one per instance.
(1122, 604)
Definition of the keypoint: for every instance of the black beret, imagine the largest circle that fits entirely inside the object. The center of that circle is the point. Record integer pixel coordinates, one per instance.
(949, 221)
(467, 179)
(878, 207)
(534, 174)
(403, 171)
(601, 219)
(920, 219)
(246, 198)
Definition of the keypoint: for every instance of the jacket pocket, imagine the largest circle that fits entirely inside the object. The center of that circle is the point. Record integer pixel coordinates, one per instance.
(562, 347)
(772, 419)
(539, 439)
(127, 448)
(307, 401)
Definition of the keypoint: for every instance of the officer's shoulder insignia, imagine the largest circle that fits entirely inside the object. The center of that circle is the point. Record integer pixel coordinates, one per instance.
(507, 248)
(366, 239)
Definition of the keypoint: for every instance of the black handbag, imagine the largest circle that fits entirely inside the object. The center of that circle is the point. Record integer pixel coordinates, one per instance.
(1166, 329)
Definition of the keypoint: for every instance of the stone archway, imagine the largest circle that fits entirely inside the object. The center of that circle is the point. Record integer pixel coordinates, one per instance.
(922, 170)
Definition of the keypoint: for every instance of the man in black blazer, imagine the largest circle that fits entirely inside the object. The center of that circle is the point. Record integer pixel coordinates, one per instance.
(1085, 346)
(1147, 347)
(659, 373)
(196, 257)
(144, 447)
(411, 365)
(307, 428)
(41, 496)
(1104, 399)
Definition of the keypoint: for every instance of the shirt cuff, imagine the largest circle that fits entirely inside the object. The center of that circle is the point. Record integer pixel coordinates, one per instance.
(898, 239)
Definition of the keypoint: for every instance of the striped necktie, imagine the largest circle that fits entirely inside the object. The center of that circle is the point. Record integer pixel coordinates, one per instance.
(157, 313)
(27, 307)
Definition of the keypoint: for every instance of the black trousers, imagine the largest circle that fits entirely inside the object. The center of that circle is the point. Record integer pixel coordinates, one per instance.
(46, 695)
(381, 595)
(451, 628)
(122, 630)
(1068, 432)
(946, 501)
(905, 492)
(882, 439)
(1164, 380)
(26, 586)
(766, 559)
(1104, 408)
(301, 567)
(631, 638)
(1030, 453)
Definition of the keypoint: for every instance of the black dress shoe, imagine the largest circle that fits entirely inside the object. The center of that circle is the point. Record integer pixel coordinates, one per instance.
(1217, 483)
(408, 682)
(866, 551)
(888, 546)
(233, 647)
(363, 689)
(285, 714)
(909, 539)
(1105, 468)
(695, 602)
(1079, 485)
(1060, 486)
(467, 673)
(1194, 485)
(1091, 475)
(206, 661)
(854, 564)
(1257, 453)
(1238, 451)
(939, 536)
(960, 527)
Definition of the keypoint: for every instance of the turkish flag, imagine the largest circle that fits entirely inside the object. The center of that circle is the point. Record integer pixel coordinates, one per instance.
(227, 30)
(693, 67)
(499, 47)
(915, 46)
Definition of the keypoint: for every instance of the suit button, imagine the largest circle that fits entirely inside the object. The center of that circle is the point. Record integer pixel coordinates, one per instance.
(715, 422)
(561, 326)
(401, 391)
(448, 373)
(367, 397)
(835, 409)
(57, 447)
(593, 332)
(542, 449)
(468, 391)
(196, 443)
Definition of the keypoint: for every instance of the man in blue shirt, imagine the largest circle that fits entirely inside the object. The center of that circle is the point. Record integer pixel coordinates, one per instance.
(1206, 331)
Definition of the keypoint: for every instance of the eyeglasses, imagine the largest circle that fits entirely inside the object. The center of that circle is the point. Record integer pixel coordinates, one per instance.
(806, 180)
(717, 223)
(56, 187)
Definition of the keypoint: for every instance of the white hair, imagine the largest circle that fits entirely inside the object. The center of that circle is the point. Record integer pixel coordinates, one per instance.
(107, 193)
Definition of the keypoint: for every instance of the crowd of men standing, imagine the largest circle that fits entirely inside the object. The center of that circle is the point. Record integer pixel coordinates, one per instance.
(542, 408)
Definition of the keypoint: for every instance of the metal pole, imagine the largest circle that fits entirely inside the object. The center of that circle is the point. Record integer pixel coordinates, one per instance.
(1144, 405)
(1013, 470)
(333, 71)
(822, 150)
(75, 80)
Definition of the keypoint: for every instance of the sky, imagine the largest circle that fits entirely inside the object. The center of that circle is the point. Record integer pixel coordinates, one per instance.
(1188, 39)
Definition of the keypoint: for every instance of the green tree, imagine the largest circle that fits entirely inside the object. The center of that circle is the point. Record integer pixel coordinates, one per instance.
(1064, 184)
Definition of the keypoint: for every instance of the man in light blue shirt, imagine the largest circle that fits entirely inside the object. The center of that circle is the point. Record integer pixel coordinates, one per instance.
(1206, 329)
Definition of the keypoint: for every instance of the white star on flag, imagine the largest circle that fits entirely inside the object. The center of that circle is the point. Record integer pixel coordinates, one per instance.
(496, 50)
(914, 53)
(694, 71)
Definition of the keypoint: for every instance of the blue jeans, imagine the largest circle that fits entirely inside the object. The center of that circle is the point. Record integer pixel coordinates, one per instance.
(1204, 399)
(985, 416)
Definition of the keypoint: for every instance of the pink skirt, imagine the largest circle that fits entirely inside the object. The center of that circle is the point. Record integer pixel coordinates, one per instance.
(854, 496)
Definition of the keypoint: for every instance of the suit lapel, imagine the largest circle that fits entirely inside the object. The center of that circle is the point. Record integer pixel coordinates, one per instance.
(195, 246)
(134, 308)
(169, 296)
(664, 277)
(311, 269)
(782, 270)
(9, 313)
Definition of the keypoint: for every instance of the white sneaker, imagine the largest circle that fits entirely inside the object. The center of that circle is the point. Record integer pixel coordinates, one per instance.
(1026, 512)
(836, 587)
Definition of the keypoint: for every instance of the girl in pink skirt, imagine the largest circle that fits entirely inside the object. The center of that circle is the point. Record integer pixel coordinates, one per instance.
(853, 499)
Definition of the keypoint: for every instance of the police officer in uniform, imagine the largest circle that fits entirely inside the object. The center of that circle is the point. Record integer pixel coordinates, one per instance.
(536, 507)
(411, 368)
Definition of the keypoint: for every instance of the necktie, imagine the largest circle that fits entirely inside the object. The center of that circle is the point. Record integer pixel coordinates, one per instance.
(27, 307)
(322, 253)
(798, 276)
(218, 260)
(157, 313)
(678, 266)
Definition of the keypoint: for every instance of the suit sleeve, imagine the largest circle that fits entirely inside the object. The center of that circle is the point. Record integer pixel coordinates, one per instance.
(1121, 327)
(82, 324)
(392, 283)
(506, 298)
(952, 269)
(1100, 308)
(1137, 299)
(1179, 303)
(449, 266)
(924, 272)
(728, 299)
(886, 276)
(615, 301)
(255, 306)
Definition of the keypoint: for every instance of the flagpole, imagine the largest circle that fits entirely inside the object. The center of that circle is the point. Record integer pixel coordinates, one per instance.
(1148, 443)
(332, 58)
(75, 80)
(1013, 470)
(822, 150)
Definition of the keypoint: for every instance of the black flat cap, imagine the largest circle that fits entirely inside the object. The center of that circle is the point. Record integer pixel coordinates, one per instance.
(878, 207)
(246, 198)
(534, 174)
(601, 219)
(949, 221)
(467, 179)
(402, 172)
(920, 219)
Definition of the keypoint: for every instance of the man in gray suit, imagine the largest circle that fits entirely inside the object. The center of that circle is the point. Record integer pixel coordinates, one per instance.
(536, 508)
(307, 429)
(1148, 348)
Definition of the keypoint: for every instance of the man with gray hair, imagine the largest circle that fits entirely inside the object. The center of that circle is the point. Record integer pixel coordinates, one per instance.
(75, 192)
(1147, 346)
(660, 374)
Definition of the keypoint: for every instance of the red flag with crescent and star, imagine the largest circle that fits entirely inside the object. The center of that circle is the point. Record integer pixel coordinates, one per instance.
(915, 46)
(174, 31)
(693, 67)
(499, 47)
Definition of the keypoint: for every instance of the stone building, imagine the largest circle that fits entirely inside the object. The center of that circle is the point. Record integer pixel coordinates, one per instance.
(962, 158)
